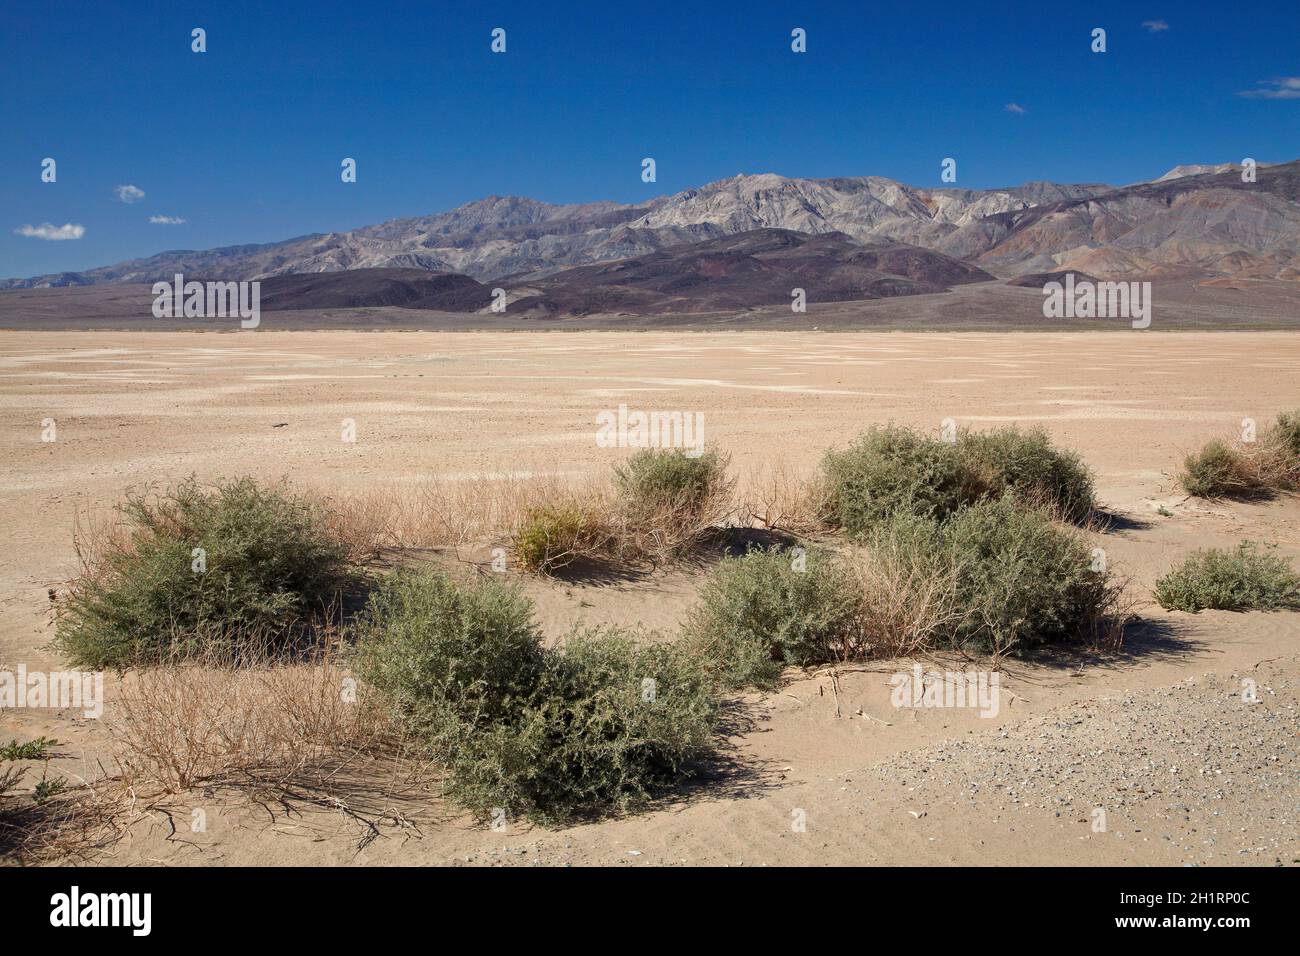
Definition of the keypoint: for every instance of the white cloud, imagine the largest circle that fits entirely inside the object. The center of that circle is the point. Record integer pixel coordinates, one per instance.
(52, 232)
(1015, 108)
(1155, 26)
(129, 194)
(167, 220)
(1281, 88)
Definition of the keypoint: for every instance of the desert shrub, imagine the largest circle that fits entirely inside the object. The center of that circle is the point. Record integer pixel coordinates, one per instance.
(1244, 579)
(656, 506)
(1286, 431)
(612, 722)
(667, 501)
(547, 733)
(550, 537)
(429, 645)
(890, 470)
(1023, 581)
(270, 567)
(770, 608)
(1271, 463)
(1276, 458)
(997, 577)
(1216, 471)
(1028, 465)
(893, 470)
(656, 475)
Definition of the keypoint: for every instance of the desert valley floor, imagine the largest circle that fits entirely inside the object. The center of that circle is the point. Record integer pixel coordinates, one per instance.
(1156, 735)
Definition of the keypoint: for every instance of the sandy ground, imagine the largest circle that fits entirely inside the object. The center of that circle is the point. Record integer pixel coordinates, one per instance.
(1158, 738)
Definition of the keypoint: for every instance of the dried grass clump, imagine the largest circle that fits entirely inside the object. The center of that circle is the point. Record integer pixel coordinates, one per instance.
(215, 721)
(438, 513)
(1276, 455)
(447, 513)
(909, 597)
(266, 726)
(780, 499)
(1220, 471)
(657, 506)
(75, 824)
(553, 536)
(364, 523)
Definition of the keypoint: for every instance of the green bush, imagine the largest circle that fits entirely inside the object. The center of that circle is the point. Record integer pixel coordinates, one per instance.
(42, 748)
(1244, 579)
(1287, 432)
(1217, 470)
(893, 470)
(270, 568)
(652, 477)
(1022, 580)
(890, 470)
(596, 727)
(432, 647)
(615, 721)
(996, 577)
(552, 537)
(1027, 464)
(769, 608)
(667, 502)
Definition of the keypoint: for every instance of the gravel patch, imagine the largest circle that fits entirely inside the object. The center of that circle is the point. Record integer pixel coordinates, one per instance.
(1194, 765)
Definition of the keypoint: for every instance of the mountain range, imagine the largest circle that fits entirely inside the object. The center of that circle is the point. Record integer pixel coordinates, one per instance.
(860, 237)
(740, 271)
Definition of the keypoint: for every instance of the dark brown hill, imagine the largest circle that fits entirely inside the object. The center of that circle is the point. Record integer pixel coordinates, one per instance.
(408, 288)
(748, 270)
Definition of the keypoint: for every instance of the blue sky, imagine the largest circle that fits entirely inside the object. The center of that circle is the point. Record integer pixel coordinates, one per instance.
(244, 141)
